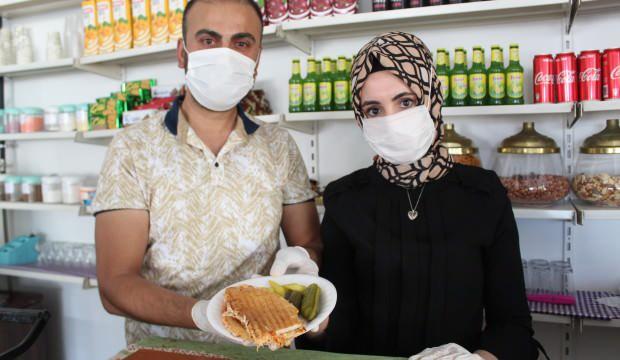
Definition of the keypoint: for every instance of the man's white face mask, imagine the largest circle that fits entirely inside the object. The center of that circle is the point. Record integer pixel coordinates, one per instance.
(219, 78)
(404, 137)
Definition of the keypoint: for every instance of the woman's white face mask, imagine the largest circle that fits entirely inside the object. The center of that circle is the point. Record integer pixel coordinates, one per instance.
(404, 137)
(219, 78)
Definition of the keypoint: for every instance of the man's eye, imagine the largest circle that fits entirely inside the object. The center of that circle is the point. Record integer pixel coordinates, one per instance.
(207, 41)
(243, 44)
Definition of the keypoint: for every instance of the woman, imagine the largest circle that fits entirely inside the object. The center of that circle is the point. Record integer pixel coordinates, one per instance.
(422, 251)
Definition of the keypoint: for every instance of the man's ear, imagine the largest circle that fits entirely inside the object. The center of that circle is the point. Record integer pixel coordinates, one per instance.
(181, 55)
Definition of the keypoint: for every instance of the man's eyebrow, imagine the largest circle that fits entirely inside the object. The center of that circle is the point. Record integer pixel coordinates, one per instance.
(244, 36)
(209, 32)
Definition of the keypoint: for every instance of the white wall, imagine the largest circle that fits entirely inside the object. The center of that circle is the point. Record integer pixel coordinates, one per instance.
(81, 328)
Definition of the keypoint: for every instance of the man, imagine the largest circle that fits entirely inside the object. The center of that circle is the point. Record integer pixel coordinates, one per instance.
(192, 201)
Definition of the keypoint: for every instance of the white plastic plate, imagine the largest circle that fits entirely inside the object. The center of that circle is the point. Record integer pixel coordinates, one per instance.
(327, 301)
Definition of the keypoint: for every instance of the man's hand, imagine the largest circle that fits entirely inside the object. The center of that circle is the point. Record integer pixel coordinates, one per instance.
(295, 260)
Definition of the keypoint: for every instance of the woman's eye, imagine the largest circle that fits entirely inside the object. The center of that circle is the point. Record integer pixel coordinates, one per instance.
(406, 103)
(372, 112)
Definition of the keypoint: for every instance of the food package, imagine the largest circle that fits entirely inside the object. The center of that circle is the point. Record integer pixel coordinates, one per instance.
(175, 18)
(277, 11)
(320, 8)
(344, 7)
(141, 16)
(298, 9)
(91, 27)
(159, 21)
(106, 26)
(123, 37)
(140, 89)
(136, 116)
(96, 115)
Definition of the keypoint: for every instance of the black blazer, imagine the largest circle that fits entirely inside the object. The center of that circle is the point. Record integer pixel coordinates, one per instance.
(462, 255)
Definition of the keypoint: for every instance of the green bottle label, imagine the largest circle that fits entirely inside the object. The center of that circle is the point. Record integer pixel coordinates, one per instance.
(477, 56)
(325, 93)
(477, 86)
(341, 92)
(514, 54)
(497, 85)
(309, 93)
(459, 86)
(294, 94)
(444, 81)
(514, 84)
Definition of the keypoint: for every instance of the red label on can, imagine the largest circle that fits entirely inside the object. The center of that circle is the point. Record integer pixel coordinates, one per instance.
(566, 79)
(611, 74)
(590, 85)
(544, 79)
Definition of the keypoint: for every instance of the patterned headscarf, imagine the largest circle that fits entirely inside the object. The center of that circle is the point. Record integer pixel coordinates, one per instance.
(408, 58)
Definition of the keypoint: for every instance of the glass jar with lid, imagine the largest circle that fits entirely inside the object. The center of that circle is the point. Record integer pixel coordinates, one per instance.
(67, 118)
(51, 121)
(81, 117)
(12, 188)
(12, 120)
(31, 120)
(31, 189)
(461, 148)
(597, 178)
(530, 167)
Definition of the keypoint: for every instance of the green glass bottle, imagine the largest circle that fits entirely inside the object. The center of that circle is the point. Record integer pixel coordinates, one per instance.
(295, 88)
(477, 79)
(514, 78)
(497, 77)
(459, 79)
(311, 87)
(342, 85)
(348, 73)
(326, 90)
(443, 74)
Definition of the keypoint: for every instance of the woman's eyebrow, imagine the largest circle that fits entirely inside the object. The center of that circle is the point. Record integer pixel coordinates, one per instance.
(371, 102)
(403, 94)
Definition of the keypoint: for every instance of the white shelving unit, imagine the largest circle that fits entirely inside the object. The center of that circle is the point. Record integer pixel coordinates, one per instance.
(22, 272)
(586, 212)
(596, 106)
(6, 205)
(14, 8)
(36, 68)
(38, 136)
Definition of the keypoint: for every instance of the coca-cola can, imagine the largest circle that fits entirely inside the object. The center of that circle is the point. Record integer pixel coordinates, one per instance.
(611, 74)
(590, 86)
(565, 66)
(544, 79)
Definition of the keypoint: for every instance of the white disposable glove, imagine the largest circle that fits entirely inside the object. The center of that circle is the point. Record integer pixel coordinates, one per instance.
(294, 260)
(199, 315)
(446, 352)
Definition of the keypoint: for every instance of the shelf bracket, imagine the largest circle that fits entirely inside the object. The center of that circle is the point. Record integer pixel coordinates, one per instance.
(114, 72)
(87, 284)
(572, 13)
(577, 115)
(79, 138)
(296, 39)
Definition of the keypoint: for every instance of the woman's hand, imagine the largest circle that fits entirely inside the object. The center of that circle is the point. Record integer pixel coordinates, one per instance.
(486, 355)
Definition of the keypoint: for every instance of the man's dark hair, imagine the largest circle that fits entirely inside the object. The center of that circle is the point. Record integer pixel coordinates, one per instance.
(191, 4)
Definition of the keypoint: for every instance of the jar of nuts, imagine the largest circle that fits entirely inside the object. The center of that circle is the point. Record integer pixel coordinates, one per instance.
(461, 148)
(530, 167)
(597, 178)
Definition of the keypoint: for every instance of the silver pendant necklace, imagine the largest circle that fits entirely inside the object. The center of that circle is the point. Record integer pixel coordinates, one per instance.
(413, 213)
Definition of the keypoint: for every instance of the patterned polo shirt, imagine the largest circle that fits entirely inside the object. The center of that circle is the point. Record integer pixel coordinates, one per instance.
(214, 220)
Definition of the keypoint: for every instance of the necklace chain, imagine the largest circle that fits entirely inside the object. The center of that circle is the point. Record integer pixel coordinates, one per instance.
(413, 214)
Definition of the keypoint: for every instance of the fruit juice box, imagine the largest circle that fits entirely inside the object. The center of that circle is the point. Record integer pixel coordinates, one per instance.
(123, 32)
(106, 26)
(91, 35)
(175, 18)
(141, 14)
(159, 21)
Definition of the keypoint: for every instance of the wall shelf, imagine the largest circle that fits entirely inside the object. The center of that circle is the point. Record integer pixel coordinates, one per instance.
(7, 205)
(587, 212)
(85, 277)
(36, 68)
(596, 106)
(15, 8)
(38, 136)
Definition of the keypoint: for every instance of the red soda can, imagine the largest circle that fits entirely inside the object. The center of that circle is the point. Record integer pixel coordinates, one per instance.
(565, 65)
(590, 86)
(544, 79)
(611, 74)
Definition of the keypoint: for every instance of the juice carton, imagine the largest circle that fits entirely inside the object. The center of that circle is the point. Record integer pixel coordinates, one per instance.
(123, 38)
(175, 18)
(106, 26)
(91, 35)
(141, 14)
(159, 21)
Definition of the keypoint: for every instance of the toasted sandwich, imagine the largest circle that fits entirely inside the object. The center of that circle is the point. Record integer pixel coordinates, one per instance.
(260, 317)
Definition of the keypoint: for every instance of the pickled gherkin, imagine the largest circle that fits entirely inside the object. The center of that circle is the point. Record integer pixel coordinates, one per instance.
(310, 303)
(294, 297)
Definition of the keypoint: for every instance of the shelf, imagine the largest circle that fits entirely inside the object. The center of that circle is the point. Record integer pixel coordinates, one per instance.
(596, 106)
(562, 211)
(38, 136)
(36, 68)
(6, 205)
(85, 277)
(587, 211)
(150, 53)
(502, 110)
(551, 319)
(14, 8)
(96, 137)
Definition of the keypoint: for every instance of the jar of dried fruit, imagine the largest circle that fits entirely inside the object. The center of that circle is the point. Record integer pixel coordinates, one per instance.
(530, 168)
(597, 178)
(461, 148)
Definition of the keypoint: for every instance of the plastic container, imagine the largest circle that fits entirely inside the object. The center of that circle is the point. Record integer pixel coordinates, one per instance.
(12, 120)
(71, 189)
(67, 118)
(52, 189)
(12, 188)
(31, 120)
(51, 121)
(461, 148)
(530, 167)
(21, 250)
(81, 117)
(31, 189)
(598, 167)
